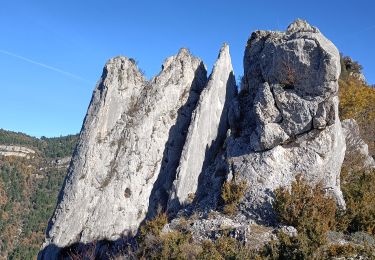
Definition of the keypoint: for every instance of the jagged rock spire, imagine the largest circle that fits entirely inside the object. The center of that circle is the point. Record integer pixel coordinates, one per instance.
(207, 130)
(121, 149)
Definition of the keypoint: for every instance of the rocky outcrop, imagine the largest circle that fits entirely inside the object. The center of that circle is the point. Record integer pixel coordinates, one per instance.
(357, 156)
(132, 133)
(291, 79)
(170, 142)
(14, 150)
(352, 69)
(61, 162)
(207, 130)
(289, 121)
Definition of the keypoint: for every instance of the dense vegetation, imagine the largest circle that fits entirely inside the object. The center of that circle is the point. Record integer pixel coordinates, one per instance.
(28, 192)
(310, 211)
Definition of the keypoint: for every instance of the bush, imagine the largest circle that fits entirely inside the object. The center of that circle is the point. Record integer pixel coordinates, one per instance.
(341, 250)
(231, 195)
(209, 251)
(348, 67)
(347, 251)
(154, 226)
(172, 245)
(310, 211)
(357, 100)
(359, 192)
(228, 247)
(304, 206)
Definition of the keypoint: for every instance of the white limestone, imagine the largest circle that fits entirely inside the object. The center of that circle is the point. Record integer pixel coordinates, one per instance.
(291, 124)
(15, 150)
(120, 151)
(207, 129)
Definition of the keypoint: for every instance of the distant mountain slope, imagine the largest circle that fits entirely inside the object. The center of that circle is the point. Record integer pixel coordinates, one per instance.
(28, 190)
(48, 147)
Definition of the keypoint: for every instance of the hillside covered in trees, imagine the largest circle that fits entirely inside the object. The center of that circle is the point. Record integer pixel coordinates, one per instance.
(28, 191)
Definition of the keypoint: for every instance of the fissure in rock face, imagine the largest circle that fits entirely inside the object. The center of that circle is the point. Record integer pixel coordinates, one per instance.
(172, 141)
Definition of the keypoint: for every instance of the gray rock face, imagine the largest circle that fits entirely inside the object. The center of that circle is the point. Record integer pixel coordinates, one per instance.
(207, 130)
(126, 143)
(289, 121)
(356, 154)
(285, 73)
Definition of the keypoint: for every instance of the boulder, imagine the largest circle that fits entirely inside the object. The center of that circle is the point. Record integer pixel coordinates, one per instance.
(289, 123)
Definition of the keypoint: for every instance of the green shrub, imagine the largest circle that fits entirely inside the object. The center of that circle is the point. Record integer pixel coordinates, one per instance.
(304, 206)
(294, 247)
(228, 247)
(346, 251)
(359, 192)
(154, 226)
(310, 211)
(209, 251)
(172, 245)
(341, 250)
(231, 194)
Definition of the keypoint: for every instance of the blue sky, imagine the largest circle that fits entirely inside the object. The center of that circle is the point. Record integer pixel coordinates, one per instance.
(52, 52)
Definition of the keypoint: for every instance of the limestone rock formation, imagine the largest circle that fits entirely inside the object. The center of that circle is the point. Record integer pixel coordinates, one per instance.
(288, 121)
(133, 131)
(357, 154)
(207, 130)
(146, 145)
(14, 150)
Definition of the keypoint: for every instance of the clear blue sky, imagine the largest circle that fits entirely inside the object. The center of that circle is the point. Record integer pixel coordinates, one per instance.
(52, 52)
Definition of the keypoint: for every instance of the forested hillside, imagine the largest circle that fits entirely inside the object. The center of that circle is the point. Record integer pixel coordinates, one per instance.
(55, 147)
(28, 191)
